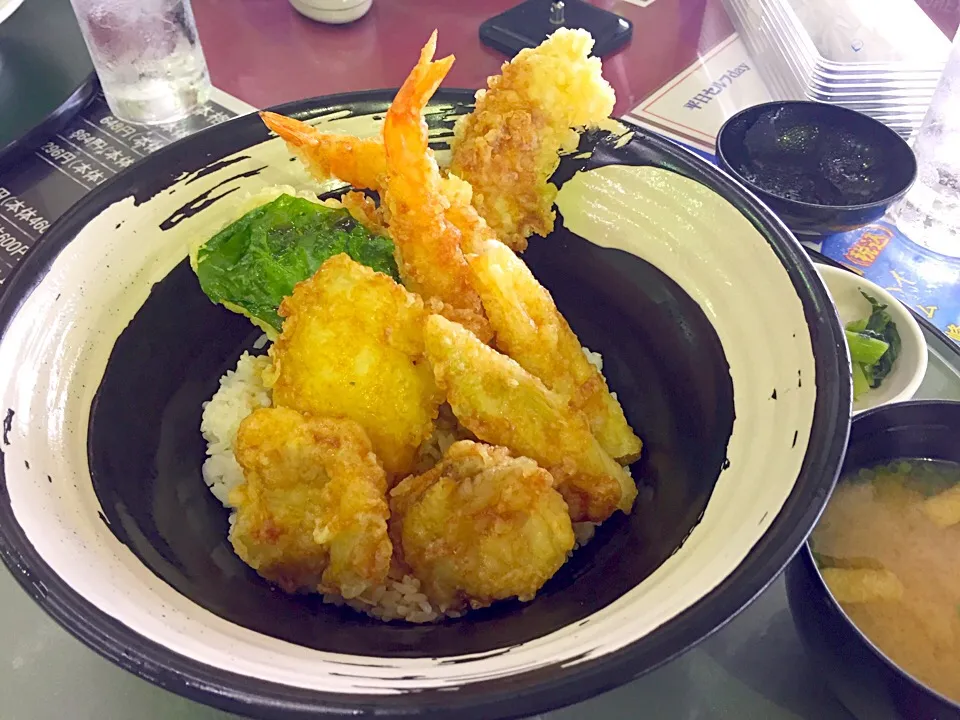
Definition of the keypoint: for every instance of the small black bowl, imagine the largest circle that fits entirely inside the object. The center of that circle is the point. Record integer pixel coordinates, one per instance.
(822, 168)
(865, 680)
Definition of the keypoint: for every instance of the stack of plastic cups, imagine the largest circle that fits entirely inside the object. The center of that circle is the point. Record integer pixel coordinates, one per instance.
(881, 61)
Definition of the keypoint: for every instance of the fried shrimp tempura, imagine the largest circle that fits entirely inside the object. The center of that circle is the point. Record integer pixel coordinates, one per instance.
(352, 346)
(481, 526)
(503, 404)
(531, 330)
(428, 244)
(360, 162)
(312, 510)
(508, 147)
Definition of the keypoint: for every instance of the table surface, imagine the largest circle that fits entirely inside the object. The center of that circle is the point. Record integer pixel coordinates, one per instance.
(45, 88)
(264, 53)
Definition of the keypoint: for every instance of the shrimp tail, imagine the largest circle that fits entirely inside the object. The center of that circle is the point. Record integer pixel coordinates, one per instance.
(294, 132)
(421, 84)
(359, 162)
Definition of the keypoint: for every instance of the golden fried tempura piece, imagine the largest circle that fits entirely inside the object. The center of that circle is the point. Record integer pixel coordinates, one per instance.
(508, 147)
(474, 231)
(503, 404)
(312, 510)
(360, 162)
(481, 526)
(531, 330)
(428, 248)
(352, 346)
(364, 211)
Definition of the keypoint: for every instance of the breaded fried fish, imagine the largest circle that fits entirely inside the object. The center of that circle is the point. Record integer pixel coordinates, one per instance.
(509, 146)
(352, 346)
(531, 330)
(312, 510)
(481, 526)
(503, 404)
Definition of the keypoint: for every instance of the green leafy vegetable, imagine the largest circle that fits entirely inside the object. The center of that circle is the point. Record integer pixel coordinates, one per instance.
(881, 323)
(874, 345)
(252, 264)
(860, 382)
(879, 317)
(865, 349)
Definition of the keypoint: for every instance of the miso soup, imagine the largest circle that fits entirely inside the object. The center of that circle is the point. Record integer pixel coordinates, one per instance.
(888, 547)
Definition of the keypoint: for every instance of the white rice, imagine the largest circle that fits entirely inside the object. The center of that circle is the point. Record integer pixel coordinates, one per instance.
(583, 533)
(594, 358)
(242, 391)
(397, 599)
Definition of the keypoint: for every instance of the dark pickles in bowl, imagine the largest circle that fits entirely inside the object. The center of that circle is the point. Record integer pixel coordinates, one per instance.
(822, 168)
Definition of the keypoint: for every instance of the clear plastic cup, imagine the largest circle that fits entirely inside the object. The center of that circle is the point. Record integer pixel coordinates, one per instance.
(147, 56)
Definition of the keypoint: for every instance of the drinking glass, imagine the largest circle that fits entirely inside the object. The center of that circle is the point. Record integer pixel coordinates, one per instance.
(147, 56)
(930, 213)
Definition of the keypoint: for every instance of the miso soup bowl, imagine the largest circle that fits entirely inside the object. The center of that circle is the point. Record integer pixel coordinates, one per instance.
(864, 679)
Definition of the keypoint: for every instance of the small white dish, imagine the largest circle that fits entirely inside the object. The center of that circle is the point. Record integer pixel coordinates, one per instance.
(910, 367)
(332, 12)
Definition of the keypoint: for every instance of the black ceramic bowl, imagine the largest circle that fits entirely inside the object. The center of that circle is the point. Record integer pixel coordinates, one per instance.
(821, 168)
(863, 678)
(717, 334)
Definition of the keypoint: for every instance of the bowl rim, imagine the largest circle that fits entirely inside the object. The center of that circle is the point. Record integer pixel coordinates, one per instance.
(725, 163)
(520, 695)
(903, 315)
(7, 8)
(805, 557)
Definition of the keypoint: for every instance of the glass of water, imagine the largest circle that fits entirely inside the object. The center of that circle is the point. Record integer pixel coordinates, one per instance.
(930, 213)
(147, 56)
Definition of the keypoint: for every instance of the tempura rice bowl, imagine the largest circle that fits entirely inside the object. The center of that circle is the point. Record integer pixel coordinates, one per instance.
(716, 335)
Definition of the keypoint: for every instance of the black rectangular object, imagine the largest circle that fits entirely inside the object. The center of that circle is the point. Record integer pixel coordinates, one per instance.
(528, 24)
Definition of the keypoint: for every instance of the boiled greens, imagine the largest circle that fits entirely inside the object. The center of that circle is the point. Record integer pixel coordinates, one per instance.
(874, 344)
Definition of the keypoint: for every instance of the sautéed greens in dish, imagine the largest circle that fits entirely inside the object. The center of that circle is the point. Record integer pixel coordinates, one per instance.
(887, 547)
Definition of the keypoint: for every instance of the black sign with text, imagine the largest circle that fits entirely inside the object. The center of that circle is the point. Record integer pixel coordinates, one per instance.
(89, 151)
